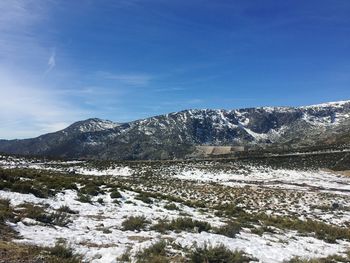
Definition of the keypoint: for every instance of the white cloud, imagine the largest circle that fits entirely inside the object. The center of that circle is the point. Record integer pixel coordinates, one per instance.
(51, 63)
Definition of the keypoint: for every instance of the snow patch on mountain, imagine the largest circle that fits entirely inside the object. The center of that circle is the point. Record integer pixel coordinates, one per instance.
(93, 125)
(335, 104)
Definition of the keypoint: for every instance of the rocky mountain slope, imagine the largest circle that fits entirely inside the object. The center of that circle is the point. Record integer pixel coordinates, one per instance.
(176, 135)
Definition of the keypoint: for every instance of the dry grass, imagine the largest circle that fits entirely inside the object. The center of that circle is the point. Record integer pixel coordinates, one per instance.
(14, 253)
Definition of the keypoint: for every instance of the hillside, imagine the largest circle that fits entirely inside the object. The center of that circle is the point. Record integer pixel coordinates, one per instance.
(176, 135)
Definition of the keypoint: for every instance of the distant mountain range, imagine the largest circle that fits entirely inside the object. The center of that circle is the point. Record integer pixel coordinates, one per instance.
(178, 135)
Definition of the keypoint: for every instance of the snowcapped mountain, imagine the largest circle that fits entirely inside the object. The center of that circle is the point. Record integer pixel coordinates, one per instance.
(91, 125)
(176, 135)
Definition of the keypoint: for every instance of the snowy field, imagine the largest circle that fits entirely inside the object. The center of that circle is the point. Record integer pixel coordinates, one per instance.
(315, 201)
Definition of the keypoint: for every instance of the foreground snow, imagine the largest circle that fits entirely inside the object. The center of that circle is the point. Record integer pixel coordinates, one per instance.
(85, 233)
(95, 231)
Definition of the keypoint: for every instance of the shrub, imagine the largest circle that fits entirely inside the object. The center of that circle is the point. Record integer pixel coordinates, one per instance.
(162, 226)
(155, 254)
(60, 219)
(84, 198)
(63, 254)
(115, 194)
(261, 230)
(27, 187)
(38, 213)
(182, 224)
(134, 223)
(187, 224)
(5, 210)
(35, 212)
(6, 214)
(91, 189)
(144, 198)
(217, 254)
(171, 206)
(230, 229)
(125, 257)
(228, 210)
(66, 209)
(116, 201)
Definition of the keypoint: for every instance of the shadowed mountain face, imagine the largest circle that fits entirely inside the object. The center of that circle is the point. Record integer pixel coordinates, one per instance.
(175, 135)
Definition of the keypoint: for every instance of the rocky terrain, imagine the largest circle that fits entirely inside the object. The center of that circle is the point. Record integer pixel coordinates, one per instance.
(178, 135)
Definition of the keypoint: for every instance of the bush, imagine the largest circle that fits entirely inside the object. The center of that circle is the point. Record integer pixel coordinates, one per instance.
(115, 194)
(144, 198)
(261, 230)
(66, 209)
(228, 210)
(162, 226)
(6, 214)
(84, 198)
(5, 211)
(182, 224)
(218, 254)
(171, 206)
(91, 188)
(63, 253)
(38, 213)
(134, 223)
(155, 254)
(35, 212)
(27, 187)
(60, 219)
(125, 257)
(230, 229)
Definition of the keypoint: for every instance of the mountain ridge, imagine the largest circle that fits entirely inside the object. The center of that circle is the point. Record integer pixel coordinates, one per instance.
(177, 134)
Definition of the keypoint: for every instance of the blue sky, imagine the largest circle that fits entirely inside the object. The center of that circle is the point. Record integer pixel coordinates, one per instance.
(63, 61)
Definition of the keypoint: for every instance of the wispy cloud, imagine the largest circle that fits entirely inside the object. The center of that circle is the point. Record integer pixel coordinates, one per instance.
(28, 103)
(51, 63)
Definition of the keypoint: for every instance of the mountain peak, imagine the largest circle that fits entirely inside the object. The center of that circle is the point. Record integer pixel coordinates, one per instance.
(334, 104)
(92, 125)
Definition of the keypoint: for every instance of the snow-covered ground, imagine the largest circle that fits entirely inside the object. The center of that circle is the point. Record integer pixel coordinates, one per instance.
(72, 167)
(268, 177)
(85, 233)
(95, 230)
